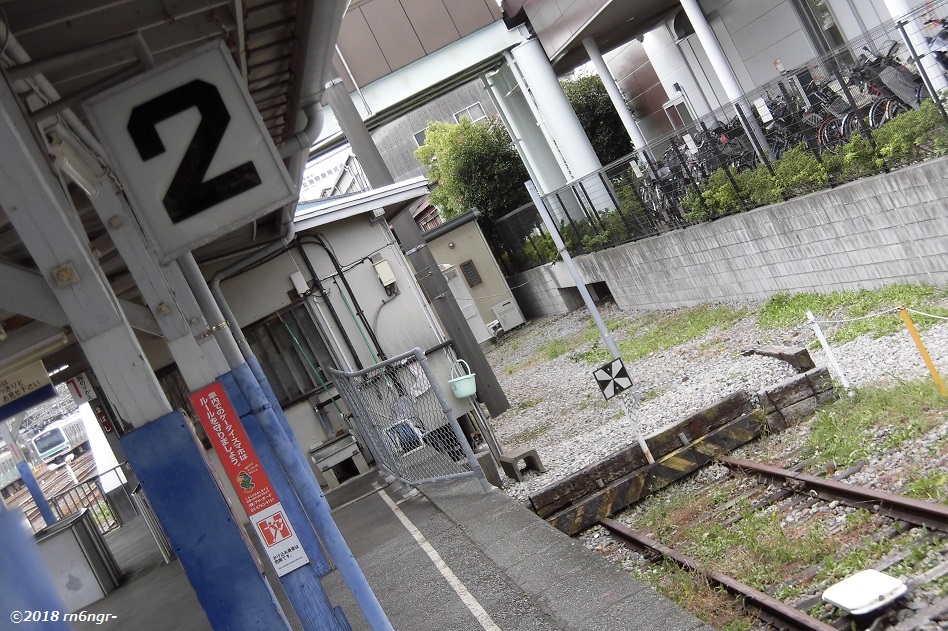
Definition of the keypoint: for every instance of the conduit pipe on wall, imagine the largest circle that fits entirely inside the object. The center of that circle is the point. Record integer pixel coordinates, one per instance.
(332, 310)
(341, 273)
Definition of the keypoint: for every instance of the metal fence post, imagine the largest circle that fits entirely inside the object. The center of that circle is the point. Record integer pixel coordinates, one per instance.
(453, 420)
(754, 140)
(717, 154)
(921, 70)
(809, 138)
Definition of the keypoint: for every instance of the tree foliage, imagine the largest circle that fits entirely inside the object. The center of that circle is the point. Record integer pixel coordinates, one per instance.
(474, 165)
(598, 116)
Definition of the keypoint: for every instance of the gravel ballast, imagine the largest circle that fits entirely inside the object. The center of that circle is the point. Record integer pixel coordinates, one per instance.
(557, 408)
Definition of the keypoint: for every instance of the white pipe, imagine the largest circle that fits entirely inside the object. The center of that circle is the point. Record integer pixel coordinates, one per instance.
(713, 49)
(558, 114)
(538, 115)
(505, 116)
(615, 95)
(829, 351)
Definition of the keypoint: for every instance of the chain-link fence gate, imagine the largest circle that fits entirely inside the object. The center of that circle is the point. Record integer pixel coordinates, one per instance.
(405, 418)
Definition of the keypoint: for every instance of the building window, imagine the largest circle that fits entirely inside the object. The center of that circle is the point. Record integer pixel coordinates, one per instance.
(474, 112)
(291, 353)
(470, 274)
(420, 136)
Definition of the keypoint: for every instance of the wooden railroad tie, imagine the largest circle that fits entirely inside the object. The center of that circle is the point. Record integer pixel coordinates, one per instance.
(603, 488)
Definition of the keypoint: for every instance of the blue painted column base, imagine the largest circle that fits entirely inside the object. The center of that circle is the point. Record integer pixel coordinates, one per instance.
(302, 585)
(27, 585)
(303, 479)
(29, 481)
(169, 463)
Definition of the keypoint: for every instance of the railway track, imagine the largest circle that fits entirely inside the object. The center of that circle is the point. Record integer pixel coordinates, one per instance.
(915, 530)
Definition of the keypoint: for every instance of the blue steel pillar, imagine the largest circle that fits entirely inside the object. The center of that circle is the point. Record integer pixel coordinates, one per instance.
(311, 496)
(29, 480)
(27, 585)
(302, 585)
(172, 469)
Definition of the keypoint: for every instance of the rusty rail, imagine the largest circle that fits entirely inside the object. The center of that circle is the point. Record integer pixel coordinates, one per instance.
(773, 607)
(907, 509)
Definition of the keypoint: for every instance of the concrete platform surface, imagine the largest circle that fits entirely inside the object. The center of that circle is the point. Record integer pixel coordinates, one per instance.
(450, 558)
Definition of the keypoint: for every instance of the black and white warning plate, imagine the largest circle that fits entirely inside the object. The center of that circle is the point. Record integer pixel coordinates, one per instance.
(612, 378)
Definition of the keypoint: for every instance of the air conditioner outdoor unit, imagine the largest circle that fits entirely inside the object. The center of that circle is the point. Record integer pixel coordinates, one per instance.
(508, 314)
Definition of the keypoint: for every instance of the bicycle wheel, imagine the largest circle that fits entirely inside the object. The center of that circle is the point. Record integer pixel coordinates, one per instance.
(848, 126)
(877, 112)
(828, 133)
(893, 108)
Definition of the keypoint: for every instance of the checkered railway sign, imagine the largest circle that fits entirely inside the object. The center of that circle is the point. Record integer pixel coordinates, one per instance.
(612, 378)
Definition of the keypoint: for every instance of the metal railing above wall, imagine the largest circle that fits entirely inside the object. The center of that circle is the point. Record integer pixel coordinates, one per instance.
(827, 122)
(403, 414)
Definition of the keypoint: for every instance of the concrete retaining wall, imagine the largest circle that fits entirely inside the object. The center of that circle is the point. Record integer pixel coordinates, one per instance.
(881, 230)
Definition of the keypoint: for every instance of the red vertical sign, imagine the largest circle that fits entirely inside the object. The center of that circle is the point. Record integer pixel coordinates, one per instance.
(248, 478)
(230, 441)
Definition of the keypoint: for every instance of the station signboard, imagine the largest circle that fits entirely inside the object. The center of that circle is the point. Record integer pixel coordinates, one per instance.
(24, 388)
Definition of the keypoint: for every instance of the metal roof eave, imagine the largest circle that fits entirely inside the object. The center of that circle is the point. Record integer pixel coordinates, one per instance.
(336, 209)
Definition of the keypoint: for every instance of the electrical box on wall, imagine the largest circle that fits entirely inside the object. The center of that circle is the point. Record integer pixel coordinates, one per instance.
(386, 275)
(299, 283)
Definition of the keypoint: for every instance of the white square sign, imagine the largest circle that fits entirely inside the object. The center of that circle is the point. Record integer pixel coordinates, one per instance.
(191, 151)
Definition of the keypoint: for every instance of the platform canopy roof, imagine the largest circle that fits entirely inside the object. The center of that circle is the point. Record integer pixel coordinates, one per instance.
(56, 54)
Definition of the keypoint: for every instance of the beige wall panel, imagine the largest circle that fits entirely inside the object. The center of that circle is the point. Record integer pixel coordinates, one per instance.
(472, 15)
(393, 32)
(360, 49)
(432, 23)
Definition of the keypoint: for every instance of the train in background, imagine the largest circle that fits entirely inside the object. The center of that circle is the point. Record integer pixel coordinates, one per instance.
(54, 442)
(9, 475)
(58, 440)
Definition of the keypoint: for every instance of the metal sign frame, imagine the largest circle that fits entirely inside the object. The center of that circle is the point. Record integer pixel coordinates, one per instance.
(613, 378)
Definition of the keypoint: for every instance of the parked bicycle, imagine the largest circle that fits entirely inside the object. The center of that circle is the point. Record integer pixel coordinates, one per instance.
(892, 85)
(939, 43)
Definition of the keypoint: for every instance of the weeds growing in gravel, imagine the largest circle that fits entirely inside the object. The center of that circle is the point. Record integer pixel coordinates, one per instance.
(875, 420)
(786, 310)
(931, 486)
(661, 330)
(692, 591)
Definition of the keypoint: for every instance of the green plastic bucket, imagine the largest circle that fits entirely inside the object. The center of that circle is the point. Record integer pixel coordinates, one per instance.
(462, 380)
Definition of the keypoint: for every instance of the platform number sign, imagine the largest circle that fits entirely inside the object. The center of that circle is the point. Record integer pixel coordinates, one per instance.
(612, 378)
(191, 191)
(191, 151)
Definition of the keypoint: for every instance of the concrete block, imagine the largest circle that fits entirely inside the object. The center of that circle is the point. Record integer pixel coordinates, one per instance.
(510, 462)
(486, 461)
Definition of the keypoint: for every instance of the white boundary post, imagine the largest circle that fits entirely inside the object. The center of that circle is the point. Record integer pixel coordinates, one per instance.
(829, 351)
(590, 305)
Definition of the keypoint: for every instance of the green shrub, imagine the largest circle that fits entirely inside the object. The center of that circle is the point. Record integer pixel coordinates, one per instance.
(758, 185)
(695, 210)
(860, 158)
(799, 172)
(912, 136)
(720, 196)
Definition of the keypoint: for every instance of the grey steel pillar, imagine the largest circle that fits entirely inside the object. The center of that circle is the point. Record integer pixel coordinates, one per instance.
(615, 95)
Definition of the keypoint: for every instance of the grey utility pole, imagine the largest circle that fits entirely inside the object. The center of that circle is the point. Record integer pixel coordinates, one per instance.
(413, 244)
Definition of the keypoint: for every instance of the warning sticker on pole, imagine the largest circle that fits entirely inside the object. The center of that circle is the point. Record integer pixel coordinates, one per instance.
(247, 476)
